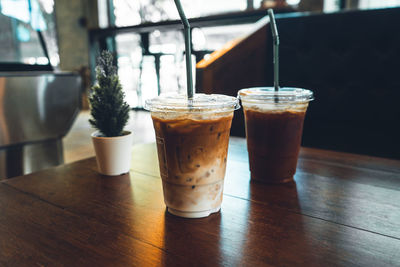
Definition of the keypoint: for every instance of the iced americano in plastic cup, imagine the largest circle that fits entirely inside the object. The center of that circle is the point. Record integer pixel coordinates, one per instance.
(192, 145)
(274, 127)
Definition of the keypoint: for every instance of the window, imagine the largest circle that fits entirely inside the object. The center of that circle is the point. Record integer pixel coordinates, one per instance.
(20, 21)
(366, 4)
(135, 12)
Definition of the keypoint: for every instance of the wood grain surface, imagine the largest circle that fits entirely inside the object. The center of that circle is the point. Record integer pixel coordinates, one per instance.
(342, 210)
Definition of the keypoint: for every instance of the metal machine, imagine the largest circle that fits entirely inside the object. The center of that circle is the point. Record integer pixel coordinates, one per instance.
(36, 110)
(37, 104)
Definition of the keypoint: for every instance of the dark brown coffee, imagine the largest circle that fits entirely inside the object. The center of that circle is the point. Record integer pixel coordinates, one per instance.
(273, 143)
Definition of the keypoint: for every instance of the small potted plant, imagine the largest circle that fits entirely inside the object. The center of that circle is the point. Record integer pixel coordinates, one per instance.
(110, 114)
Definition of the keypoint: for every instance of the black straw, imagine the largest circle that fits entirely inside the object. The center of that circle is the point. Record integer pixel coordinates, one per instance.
(188, 41)
(275, 37)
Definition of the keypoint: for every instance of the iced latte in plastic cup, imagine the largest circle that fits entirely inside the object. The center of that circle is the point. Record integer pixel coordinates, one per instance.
(192, 143)
(274, 127)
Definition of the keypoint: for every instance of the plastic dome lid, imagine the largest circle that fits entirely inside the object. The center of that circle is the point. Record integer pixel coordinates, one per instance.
(268, 94)
(199, 103)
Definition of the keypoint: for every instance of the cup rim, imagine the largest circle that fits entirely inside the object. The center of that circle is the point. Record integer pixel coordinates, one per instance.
(201, 103)
(269, 95)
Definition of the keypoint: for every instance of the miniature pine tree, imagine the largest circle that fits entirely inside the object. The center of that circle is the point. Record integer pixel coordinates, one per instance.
(109, 111)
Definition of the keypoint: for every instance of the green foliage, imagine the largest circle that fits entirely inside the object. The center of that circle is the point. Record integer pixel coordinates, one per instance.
(109, 111)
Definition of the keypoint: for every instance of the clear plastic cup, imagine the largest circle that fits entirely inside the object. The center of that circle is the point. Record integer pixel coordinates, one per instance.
(274, 127)
(192, 143)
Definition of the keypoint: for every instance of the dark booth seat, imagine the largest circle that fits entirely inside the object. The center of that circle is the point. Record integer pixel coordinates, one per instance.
(351, 60)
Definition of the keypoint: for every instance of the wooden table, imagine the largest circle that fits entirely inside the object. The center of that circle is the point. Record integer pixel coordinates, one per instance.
(343, 210)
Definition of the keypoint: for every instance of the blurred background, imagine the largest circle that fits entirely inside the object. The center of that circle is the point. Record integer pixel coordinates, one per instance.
(143, 34)
(346, 51)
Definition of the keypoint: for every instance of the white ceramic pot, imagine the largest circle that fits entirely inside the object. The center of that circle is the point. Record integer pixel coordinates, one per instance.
(113, 154)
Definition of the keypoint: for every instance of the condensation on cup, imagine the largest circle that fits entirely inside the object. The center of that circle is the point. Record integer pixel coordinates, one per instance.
(192, 145)
(274, 127)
